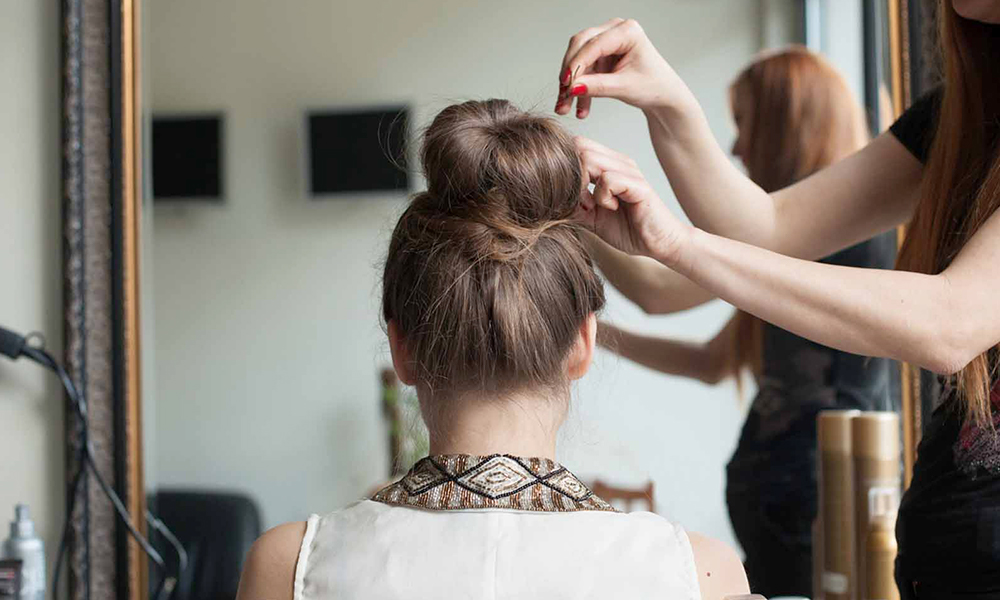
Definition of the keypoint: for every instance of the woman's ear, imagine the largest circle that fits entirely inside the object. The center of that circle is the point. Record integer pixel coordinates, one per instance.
(400, 355)
(582, 353)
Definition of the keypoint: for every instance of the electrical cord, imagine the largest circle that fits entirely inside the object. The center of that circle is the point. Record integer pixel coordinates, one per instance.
(167, 583)
(182, 555)
(88, 463)
(64, 538)
(45, 359)
(14, 346)
(42, 357)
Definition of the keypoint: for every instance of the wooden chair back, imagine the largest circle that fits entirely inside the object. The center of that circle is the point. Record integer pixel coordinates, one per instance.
(625, 498)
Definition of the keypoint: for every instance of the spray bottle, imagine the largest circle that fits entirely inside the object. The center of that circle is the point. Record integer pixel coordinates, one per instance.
(25, 546)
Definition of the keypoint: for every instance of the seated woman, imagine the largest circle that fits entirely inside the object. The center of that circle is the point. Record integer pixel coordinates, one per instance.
(489, 297)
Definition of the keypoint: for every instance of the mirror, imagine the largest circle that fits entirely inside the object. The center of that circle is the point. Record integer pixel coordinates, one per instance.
(264, 390)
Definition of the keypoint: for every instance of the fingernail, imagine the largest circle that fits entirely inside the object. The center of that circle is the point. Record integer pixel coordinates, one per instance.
(579, 113)
(565, 77)
(578, 90)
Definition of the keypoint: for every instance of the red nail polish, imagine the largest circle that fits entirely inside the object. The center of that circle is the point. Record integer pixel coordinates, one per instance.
(579, 113)
(578, 90)
(565, 77)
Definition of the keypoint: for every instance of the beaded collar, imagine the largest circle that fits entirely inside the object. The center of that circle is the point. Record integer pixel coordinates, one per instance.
(463, 482)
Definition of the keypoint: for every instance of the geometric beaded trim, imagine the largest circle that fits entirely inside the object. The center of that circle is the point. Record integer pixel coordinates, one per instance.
(463, 482)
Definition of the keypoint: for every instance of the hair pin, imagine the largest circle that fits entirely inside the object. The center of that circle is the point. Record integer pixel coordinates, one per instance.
(564, 89)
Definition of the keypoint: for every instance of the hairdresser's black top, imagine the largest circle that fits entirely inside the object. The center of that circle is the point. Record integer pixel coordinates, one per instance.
(775, 459)
(915, 128)
(949, 521)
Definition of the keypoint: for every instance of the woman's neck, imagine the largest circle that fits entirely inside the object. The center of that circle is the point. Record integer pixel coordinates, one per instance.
(520, 425)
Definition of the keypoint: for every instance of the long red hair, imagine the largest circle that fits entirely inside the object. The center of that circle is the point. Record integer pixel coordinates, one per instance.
(961, 184)
(798, 115)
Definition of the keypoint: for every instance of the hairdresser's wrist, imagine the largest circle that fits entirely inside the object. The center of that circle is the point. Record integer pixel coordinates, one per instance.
(673, 114)
(607, 335)
(675, 250)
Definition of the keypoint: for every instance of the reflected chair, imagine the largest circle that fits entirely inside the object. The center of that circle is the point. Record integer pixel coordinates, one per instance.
(624, 498)
(216, 530)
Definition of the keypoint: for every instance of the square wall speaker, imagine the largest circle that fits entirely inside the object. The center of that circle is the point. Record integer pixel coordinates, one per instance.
(187, 157)
(358, 151)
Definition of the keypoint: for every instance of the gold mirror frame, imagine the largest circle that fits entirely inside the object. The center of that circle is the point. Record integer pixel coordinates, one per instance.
(100, 294)
(138, 566)
(899, 69)
(102, 212)
(914, 69)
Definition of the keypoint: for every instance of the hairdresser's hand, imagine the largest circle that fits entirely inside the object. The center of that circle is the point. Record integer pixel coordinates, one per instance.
(608, 336)
(617, 60)
(623, 209)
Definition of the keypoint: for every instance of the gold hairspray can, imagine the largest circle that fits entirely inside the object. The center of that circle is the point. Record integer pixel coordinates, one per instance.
(836, 498)
(880, 546)
(875, 442)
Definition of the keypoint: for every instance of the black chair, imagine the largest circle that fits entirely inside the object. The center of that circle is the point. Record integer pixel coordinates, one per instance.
(216, 530)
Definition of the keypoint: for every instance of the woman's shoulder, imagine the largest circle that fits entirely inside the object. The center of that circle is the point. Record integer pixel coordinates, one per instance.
(269, 569)
(272, 565)
(720, 570)
(718, 567)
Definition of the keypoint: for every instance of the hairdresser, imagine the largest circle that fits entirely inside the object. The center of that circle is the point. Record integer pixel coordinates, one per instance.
(794, 115)
(937, 170)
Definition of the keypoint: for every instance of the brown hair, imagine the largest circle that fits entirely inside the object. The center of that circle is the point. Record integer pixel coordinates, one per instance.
(799, 116)
(486, 278)
(961, 183)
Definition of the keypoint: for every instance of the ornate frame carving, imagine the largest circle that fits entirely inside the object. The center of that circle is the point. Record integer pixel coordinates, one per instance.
(100, 270)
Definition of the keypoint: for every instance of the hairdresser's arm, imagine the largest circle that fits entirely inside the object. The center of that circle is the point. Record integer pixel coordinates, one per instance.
(863, 195)
(939, 322)
(269, 569)
(709, 362)
(654, 288)
(855, 199)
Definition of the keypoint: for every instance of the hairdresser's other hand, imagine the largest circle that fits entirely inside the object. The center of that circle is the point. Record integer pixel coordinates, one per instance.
(623, 209)
(617, 60)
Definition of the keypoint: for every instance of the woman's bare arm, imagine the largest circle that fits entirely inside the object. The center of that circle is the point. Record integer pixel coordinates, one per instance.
(939, 322)
(709, 362)
(654, 288)
(863, 195)
(269, 569)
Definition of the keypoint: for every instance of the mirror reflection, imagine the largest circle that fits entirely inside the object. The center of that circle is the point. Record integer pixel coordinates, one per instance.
(284, 146)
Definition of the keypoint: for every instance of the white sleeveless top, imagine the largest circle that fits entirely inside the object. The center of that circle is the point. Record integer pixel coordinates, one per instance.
(492, 528)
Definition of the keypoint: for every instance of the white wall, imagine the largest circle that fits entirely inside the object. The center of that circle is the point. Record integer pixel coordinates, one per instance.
(31, 402)
(782, 22)
(841, 39)
(267, 339)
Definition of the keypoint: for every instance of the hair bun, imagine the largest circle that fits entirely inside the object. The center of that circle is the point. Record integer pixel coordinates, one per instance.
(491, 156)
(485, 278)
